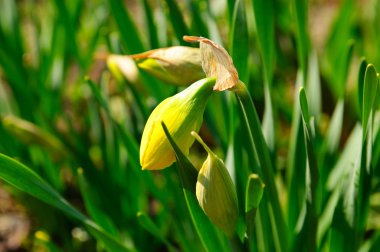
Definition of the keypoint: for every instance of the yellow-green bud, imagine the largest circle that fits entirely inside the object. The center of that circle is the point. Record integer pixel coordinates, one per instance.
(123, 67)
(178, 65)
(216, 192)
(181, 113)
(254, 192)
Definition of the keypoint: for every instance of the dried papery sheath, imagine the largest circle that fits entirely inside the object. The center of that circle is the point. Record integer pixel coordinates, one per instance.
(216, 62)
(216, 192)
(178, 65)
(181, 113)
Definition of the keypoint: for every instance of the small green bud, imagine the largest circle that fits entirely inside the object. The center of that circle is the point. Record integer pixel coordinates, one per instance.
(178, 65)
(181, 113)
(254, 192)
(216, 192)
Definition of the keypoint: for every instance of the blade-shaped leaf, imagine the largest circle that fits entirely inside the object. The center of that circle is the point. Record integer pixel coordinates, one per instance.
(264, 17)
(127, 28)
(362, 70)
(92, 204)
(23, 178)
(211, 238)
(177, 21)
(307, 237)
(301, 10)
(304, 107)
(239, 43)
(150, 226)
(369, 95)
(258, 143)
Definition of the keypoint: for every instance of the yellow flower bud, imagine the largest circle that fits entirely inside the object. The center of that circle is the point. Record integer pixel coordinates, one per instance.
(181, 113)
(216, 192)
(178, 65)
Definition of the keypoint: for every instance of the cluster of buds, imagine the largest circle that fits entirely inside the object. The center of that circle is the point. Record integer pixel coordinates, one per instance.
(183, 116)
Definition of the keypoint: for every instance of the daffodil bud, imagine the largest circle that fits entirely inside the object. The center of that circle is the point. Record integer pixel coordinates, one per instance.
(123, 67)
(178, 65)
(181, 113)
(216, 192)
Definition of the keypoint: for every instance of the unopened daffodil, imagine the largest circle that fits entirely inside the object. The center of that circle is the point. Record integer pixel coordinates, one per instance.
(182, 113)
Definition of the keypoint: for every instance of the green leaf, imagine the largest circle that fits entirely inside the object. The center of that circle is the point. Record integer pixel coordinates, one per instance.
(24, 179)
(376, 143)
(335, 128)
(152, 27)
(364, 175)
(187, 172)
(327, 215)
(339, 48)
(177, 21)
(239, 44)
(341, 182)
(264, 17)
(258, 146)
(129, 34)
(93, 204)
(68, 20)
(304, 107)
(10, 25)
(307, 236)
(344, 66)
(198, 23)
(296, 163)
(211, 238)
(30, 134)
(362, 70)
(313, 87)
(369, 95)
(301, 17)
(97, 93)
(268, 120)
(348, 156)
(151, 227)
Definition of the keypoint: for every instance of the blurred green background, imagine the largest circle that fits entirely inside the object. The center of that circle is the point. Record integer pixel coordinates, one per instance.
(68, 118)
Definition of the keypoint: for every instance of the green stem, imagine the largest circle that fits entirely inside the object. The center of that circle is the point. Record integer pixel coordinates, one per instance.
(257, 142)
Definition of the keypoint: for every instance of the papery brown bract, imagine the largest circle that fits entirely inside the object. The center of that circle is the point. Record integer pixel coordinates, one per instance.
(216, 62)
